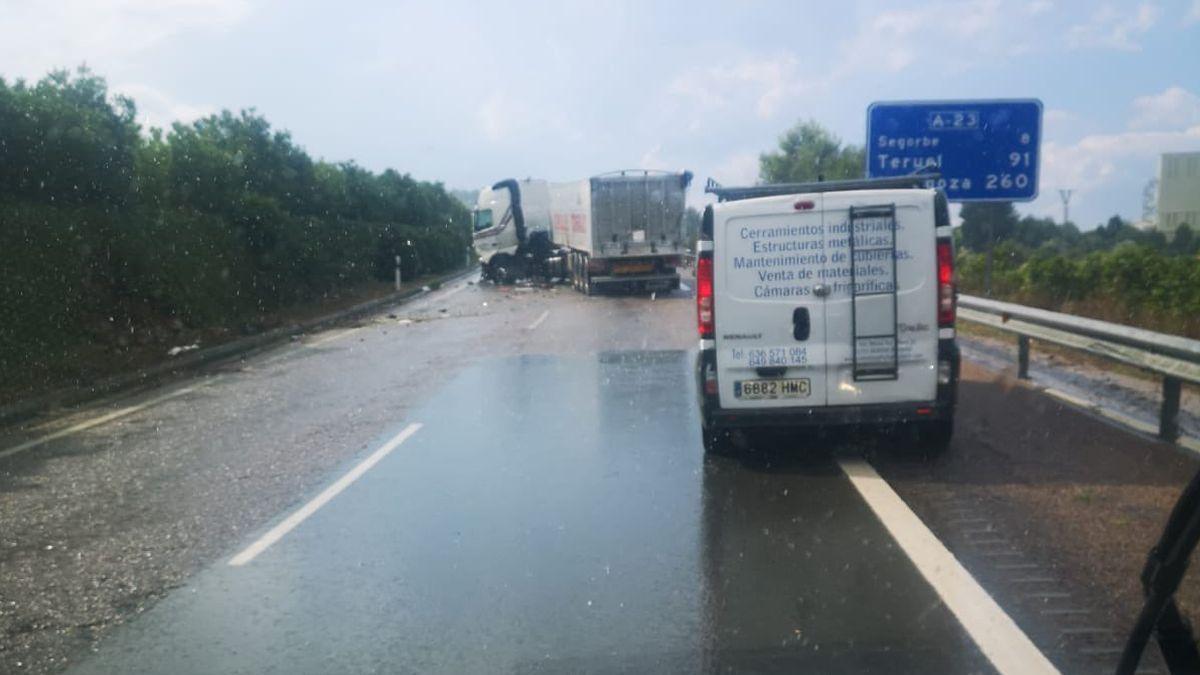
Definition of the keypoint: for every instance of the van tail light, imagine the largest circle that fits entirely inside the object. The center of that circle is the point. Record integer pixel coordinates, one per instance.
(945, 273)
(705, 319)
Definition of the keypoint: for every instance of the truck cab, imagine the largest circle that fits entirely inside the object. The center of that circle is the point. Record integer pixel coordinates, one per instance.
(827, 304)
(504, 217)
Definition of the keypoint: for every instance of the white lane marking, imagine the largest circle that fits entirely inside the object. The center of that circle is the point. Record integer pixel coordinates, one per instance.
(330, 338)
(452, 291)
(538, 321)
(95, 421)
(276, 533)
(998, 636)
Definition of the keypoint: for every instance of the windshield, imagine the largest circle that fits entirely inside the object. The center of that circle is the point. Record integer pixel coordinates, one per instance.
(706, 337)
(483, 219)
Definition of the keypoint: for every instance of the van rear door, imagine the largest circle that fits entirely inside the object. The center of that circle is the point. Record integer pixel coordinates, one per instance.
(881, 318)
(770, 325)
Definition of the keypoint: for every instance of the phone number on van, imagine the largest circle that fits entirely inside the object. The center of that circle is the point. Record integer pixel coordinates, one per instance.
(769, 356)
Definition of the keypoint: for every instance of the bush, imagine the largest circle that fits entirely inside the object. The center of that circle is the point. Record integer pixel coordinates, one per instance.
(1133, 284)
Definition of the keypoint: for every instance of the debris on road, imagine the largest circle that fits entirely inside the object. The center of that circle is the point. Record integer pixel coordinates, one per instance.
(176, 351)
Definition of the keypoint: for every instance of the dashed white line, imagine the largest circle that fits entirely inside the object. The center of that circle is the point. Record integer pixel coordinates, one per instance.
(994, 631)
(538, 321)
(95, 421)
(276, 533)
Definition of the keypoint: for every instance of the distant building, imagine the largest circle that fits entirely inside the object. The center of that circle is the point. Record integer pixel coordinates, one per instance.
(1178, 191)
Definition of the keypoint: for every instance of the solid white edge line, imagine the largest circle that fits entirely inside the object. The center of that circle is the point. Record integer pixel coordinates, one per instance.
(538, 321)
(452, 291)
(95, 421)
(993, 630)
(299, 515)
(330, 338)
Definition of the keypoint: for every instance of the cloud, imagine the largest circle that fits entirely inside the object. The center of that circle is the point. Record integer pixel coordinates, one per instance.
(1174, 108)
(652, 159)
(1059, 116)
(1097, 164)
(763, 81)
(36, 37)
(954, 35)
(737, 169)
(1101, 165)
(156, 109)
(1110, 28)
(1091, 161)
(1038, 7)
(502, 118)
(1193, 13)
(496, 116)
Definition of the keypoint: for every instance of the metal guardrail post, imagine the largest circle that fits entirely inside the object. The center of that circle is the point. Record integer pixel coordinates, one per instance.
(1023, 357)
(1168, 420)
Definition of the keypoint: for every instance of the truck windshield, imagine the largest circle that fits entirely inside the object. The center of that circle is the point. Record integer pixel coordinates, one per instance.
(483, 219)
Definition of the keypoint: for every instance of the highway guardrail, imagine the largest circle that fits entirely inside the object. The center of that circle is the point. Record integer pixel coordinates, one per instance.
(1176, 359)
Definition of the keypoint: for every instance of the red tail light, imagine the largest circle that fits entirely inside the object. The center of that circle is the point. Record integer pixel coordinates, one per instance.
(945, 272)
(705, 319)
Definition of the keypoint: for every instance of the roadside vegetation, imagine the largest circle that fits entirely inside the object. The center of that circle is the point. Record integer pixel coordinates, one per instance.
(113, 236)
(1115, 272)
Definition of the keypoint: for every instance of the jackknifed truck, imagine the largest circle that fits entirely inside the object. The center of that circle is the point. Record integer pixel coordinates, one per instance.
(616, 231)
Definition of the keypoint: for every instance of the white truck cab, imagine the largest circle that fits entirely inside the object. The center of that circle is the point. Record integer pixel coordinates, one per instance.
(498, 228)
(826, 304)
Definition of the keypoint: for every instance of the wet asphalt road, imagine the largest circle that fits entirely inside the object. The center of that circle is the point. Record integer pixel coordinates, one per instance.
(554, 513)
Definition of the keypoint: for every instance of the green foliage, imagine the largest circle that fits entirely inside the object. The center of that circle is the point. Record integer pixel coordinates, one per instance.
(691, 225)
(204, 226)
(1185, 241)
(985, 223)
(61, 140)
(1131, 283)
(809, 152)
(1032, 234)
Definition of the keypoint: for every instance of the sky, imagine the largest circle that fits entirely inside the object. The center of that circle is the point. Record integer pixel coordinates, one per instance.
(469, 93)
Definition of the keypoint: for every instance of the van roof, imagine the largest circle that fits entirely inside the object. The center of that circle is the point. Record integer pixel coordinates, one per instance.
(941, 206)
(727, 194)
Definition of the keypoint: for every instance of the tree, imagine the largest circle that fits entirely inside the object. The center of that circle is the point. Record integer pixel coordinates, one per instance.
(1184, 242)
(691, 225)
(984, 224)
(63, 140)
(809, 152)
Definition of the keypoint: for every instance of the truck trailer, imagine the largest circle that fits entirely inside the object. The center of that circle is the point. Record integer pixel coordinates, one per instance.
(617, 231)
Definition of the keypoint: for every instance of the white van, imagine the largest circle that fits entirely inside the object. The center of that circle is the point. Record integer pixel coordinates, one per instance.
(802, 324)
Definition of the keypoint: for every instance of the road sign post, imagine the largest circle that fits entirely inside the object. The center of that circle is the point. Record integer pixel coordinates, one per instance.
(986, 150)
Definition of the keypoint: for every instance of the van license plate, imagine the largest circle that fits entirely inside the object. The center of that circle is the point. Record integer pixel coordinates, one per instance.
(767, 389)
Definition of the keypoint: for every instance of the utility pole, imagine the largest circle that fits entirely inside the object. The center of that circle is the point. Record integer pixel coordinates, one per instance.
(1066, 200)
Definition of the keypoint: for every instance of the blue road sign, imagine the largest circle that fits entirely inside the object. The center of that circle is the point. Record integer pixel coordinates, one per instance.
(984, 150)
